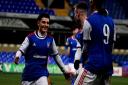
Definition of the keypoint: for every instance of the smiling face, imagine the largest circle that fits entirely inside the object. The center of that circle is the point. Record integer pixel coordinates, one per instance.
(43, 25)
(76, 14)
(80, 13)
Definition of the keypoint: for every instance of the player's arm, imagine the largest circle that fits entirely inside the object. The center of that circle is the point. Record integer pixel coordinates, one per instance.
(86, 39)
(78, 51)
(62, 67)
(58, 60)
(21, 50)
(85, 51)
(57, 57)
(77, 58)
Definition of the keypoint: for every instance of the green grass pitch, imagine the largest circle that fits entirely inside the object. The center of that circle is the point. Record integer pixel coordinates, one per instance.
(14, 79)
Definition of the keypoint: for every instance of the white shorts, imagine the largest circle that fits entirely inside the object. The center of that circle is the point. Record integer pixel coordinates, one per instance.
(41, 81)
(84, 77)
(87, 78)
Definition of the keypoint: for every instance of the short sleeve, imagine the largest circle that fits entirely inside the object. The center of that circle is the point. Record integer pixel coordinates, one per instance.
(24, 45)
(54, 48)
(86, 30)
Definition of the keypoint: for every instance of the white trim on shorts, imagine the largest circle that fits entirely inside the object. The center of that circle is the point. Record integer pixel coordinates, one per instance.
(41, 81)
(84, 77)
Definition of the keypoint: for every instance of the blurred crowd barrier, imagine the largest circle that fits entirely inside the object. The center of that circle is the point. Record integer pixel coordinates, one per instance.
(7, 53)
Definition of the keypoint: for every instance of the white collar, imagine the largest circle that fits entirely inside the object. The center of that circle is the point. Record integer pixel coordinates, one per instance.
(38, 34)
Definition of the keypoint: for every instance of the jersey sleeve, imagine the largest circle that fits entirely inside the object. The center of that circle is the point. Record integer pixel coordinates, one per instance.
(24, 45)
(86, 30)
(54, 50)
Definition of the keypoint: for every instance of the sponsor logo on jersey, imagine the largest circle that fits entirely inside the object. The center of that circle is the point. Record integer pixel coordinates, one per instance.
(34, 44)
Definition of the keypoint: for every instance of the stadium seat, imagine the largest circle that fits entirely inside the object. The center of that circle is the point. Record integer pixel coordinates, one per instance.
(21, 6)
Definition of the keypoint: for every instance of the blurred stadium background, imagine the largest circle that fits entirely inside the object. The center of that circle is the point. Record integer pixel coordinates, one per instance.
(18, 18)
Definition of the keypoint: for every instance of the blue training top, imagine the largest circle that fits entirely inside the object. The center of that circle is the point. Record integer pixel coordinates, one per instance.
(99, 30)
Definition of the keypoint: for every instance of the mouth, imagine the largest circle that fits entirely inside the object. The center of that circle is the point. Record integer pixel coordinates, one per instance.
(44, 28)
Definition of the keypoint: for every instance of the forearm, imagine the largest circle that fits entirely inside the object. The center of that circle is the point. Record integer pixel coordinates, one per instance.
(60, 63)
(78, 54)
(85, 47)
(77, 58)
(18, 54)
(21, 50)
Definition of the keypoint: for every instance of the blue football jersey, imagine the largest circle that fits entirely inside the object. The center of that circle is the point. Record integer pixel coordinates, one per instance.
(36, 56)
(73, 44)
(100, 31)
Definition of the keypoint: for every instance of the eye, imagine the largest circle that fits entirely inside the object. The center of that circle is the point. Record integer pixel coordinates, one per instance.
(45, 22)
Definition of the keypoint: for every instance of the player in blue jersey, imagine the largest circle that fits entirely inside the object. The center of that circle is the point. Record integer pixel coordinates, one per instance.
(36, 48)
(72, 45)
(98, 39)
(80, 16)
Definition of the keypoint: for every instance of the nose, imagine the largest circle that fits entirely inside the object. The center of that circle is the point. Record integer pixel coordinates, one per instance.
(47, 24)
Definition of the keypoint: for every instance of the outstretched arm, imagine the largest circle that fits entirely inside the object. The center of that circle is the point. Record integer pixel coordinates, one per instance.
(58, 60)
(17, 56)
(86, 39)
(62, 67)
(60, 63)
(77, 58)
(21, 50)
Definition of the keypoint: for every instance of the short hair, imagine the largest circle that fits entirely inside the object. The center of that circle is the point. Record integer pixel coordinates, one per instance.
(97, 3)
(43, 15)
(73, 27)
(82, 6)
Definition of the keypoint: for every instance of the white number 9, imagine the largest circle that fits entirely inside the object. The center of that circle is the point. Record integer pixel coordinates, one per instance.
(106, 32)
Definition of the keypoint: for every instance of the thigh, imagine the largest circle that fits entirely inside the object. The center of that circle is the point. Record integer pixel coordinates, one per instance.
(85, 78)
(42, 81)
(102, 80)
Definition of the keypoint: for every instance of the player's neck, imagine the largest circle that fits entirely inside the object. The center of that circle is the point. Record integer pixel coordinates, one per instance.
(42, 34)
(83, 18)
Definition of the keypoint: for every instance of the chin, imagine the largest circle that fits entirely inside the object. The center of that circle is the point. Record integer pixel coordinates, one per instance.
(45, 31)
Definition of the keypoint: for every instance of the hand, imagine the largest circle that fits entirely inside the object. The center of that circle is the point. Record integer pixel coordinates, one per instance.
(16, 60)
(66, 73)
(67, 76)
(76, 64)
